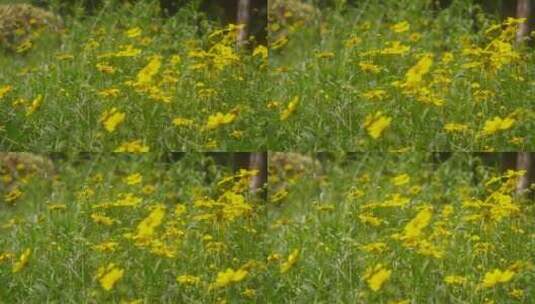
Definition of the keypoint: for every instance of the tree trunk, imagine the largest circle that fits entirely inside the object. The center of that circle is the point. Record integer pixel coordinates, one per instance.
(524, 162)
(523, 10)
(258, 161)
(243, 19)
(253, 161)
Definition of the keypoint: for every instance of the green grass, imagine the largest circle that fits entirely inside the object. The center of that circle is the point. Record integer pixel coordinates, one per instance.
(63, 262)
(321, 217)
(326, 217)
(319, 67)
(487, 78)
(69, 115)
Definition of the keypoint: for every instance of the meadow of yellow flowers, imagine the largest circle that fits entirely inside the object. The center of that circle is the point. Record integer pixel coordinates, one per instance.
(342, 228)
(130, 229)
(114, 82)
(115, 121)
(399, 228)
(387, 75)
(398, 76)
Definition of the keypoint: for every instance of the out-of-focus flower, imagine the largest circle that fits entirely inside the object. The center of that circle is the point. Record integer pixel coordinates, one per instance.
(497, 124)
(377, 276)
(111, 119)
(135, 146)
(22, 262)
(133, 32)
(376, 123)
(290, 109)
(290, 262)
(4, 90)
(228, 277)
(497, 276)
(187, 279)
(219, 119)
(109, 276)
(36, 103)
(455, 127)
(455, 280)
(400, 27)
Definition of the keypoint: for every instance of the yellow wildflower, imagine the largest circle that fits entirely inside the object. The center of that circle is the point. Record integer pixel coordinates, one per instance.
(274, 257)
(455, 127)
(414, 228)
(5, 256)
(111, 119)
(229, 277)
(175, 59)
(447, 211)
(238, 134)
(64, 56)
(377, 276)
(369, 67)
(261, 51)
(12, 195)
(23, 261)
(352, 42)
(376, 123)
(180, 209)
(182, 122)
(157, 247)
(249, 293)
(426, 248)
(375, 94)
(36, 103)
(414, 75)
(102, 219)
(292, 259)
(497, 124)
(133, 32)
(148, 189)
(219, 119)
(447, 57)
(517, 293)
(378, 247)
(135, 146)
(128, 51)
(187, 279)
(455, 280)
(401, 179)
(4, 90)
(133, 179)
(497, 276)
(109, 93)
(279, 43)
(144, 77)
(290, 109)
(147, 226)
(400, 27)
(24, 46)
(106, 247)
(368, 218)
(128, 200)
(109, 276)
(395, 48)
